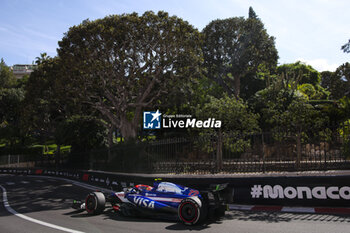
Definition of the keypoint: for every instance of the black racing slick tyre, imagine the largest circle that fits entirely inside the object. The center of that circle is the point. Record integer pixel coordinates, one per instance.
(95, 203)
(189, 210)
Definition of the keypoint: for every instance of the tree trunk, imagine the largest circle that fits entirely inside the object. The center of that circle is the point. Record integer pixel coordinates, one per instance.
(128, 129)
(110, 141)
(237, 86)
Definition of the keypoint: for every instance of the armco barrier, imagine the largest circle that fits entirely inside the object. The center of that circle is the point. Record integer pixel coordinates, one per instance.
(321, 191)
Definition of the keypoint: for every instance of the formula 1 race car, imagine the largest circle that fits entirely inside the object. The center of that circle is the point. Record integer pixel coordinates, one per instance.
(190, 205)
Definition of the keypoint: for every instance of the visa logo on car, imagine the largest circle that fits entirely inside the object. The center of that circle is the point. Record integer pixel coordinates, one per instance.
(143, 202)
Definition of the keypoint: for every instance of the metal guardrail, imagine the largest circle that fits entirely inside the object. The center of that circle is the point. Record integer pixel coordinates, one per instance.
(282, 189)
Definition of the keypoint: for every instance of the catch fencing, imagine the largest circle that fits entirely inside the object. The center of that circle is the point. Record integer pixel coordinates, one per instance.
(256, 152)
(240, 153)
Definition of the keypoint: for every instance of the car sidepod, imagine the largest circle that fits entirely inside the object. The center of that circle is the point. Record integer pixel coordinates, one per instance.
(152, 203)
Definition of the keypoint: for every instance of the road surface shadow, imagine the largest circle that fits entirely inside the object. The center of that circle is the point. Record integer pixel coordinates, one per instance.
(110, 214)
(272, 217)
(198, 227)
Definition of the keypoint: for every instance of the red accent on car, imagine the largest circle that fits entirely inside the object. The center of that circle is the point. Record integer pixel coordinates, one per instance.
(39, 171)
(116, 207)
(86, 177)
(193, 192)
(143, 186)
(86, 204)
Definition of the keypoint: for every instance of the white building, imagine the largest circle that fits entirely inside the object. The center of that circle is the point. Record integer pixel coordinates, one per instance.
(20, 70)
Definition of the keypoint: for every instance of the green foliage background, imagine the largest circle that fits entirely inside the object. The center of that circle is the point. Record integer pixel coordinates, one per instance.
(108, 71)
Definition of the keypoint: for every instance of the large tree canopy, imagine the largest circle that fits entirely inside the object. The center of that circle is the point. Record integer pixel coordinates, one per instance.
(236, 47)
(236, 118)
(6, 76)
(122, 64)
(306, 72)
(43, 104)
(308, 79)
(11, 97)
(338, 82)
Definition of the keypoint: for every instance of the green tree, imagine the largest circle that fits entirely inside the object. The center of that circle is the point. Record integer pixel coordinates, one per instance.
(346, 47)
(48, 105)
(236, 118)
(83, 133)
(300, 120)
(306, 72)
(252, 14)
(47, 102)
(122, 64)
(308, 90)
(338, 82)
(286, 112)
(235, 48)
(41, 105)
(327, 79)
(10, 114)
(11, 97)
(307, 75)
(6, 76)
(275, 99)
(254, 82)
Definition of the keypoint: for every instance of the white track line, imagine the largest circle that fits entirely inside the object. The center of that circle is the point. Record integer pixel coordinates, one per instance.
(9, 209)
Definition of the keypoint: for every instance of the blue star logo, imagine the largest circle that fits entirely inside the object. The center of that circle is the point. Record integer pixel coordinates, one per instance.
(151, 120)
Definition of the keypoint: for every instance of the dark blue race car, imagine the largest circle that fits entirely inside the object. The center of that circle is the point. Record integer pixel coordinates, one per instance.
(164, 198)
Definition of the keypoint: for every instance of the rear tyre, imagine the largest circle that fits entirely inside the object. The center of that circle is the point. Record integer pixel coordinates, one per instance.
(189, 210)
(95, 203)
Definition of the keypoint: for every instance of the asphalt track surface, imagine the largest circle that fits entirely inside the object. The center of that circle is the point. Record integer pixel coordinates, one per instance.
(39, 204)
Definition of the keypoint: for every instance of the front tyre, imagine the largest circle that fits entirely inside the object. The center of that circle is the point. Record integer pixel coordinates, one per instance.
(189, 210)
(95, 203)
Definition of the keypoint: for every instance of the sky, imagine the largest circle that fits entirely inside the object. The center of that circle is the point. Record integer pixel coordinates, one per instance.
(311, 31)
